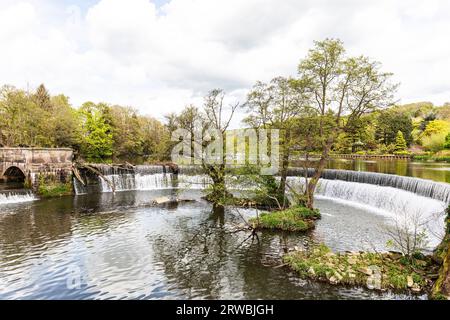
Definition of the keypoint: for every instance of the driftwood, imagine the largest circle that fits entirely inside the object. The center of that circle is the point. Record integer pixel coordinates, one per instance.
(97, 172)
(77, 175)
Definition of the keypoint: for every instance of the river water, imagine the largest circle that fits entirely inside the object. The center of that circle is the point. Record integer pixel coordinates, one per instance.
(122, 246)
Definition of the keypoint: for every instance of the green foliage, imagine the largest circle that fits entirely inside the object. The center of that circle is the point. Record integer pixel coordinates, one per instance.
(51, 187)
(434, 142)
(447, 141)
(436, 127)
(389, 123)
(96, 131)
(357, 268)
(293, 219)
(400, 143)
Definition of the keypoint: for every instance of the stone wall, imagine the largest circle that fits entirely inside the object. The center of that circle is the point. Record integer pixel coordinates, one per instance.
(36, 161)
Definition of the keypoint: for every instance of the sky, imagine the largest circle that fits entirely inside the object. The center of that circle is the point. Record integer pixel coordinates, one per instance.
(160, 55)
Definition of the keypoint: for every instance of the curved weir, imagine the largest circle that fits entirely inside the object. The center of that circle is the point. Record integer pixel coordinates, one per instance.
(427, 188)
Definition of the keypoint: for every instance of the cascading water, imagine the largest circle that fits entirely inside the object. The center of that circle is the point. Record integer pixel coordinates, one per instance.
(141, 178)
(427, 188)
(397, 204)
(16, 197)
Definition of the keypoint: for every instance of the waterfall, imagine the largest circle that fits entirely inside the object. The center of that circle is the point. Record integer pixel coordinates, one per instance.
(426, 188)
(140, 178)
(15, 197)
(396, 204)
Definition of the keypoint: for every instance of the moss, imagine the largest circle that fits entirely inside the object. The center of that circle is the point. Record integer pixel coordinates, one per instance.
(379, 271)
(442, 255)
(55, 189)
(293, 219)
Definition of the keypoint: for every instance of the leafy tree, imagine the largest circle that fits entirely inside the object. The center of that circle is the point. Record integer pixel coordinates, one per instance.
(447, 141)
(400, 143)
(436, 127)
(42, 98)
(97, 138)
(391, 121)
(341, 86)
(276, 105)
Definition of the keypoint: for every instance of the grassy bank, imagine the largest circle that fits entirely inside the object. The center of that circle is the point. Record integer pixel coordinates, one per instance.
(55, 189)
(293, 219)
(379, 271)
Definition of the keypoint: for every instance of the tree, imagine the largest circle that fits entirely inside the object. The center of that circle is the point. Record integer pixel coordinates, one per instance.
(42, 98)
(218, 123)
(96, 133)
(447, 141)
(391, 121)
(436, 127)
(400, 143)
(341, 86)
(207, 128)
(276, 105)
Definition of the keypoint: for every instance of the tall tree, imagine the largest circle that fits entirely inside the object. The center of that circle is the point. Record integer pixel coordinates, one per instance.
(389, 122)
(42, 98)
(400, 142)
(97, 138)
(276, 105)
(341, 86)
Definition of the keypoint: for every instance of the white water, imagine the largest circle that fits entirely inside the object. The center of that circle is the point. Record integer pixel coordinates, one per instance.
(125, 182)
(427, 188)
(396, 204)
(10, 198)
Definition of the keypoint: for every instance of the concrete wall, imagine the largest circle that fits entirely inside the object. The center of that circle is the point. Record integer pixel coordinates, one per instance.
(33, 161)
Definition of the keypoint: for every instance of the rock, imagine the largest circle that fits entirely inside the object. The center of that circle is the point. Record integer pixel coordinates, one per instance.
(395, 255)
(410, 281)
(416, 288)
(333, 280)
(338, 276)
(162, 200)
(366, 271)
(329, 254)
(351, 261)
(375, 269)
(311, 271)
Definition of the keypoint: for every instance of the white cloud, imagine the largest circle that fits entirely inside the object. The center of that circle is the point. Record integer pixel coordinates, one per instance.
(159, 58)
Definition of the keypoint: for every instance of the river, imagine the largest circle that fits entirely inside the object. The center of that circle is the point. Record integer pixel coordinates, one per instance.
(122, 246)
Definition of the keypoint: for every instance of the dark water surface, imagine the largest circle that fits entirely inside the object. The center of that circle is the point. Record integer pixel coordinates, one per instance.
(436, 171)
(106, 246)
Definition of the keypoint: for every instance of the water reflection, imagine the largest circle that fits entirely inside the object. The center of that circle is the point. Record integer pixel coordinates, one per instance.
(426, 170)
(120, 246)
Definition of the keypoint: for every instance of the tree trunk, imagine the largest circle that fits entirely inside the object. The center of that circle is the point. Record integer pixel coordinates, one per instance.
(284, 169)
(318, 172)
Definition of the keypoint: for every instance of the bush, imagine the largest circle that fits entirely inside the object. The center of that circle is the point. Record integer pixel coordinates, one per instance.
(293, 219)
(434, 142)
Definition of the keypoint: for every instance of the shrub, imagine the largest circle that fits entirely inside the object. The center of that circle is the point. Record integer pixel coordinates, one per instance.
(293, 219)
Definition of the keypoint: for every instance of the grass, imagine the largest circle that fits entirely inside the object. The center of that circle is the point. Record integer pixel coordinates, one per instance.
(55, 189)
(293, 219)
(378, 271)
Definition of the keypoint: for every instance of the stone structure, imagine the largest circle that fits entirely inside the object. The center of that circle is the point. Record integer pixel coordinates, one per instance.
(26, 164)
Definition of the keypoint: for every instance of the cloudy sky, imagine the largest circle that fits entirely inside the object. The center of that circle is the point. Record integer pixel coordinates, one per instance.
(159, 55)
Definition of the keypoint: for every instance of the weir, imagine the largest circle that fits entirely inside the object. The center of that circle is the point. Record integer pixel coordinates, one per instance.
(152, 177)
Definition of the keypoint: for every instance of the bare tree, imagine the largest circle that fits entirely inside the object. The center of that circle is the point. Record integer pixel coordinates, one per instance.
(408, 232)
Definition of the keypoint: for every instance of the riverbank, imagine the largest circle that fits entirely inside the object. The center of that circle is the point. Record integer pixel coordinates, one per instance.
(377, 271)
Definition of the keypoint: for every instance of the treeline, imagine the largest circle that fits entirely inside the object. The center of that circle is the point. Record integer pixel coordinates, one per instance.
(412, 128)
(97, 132)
